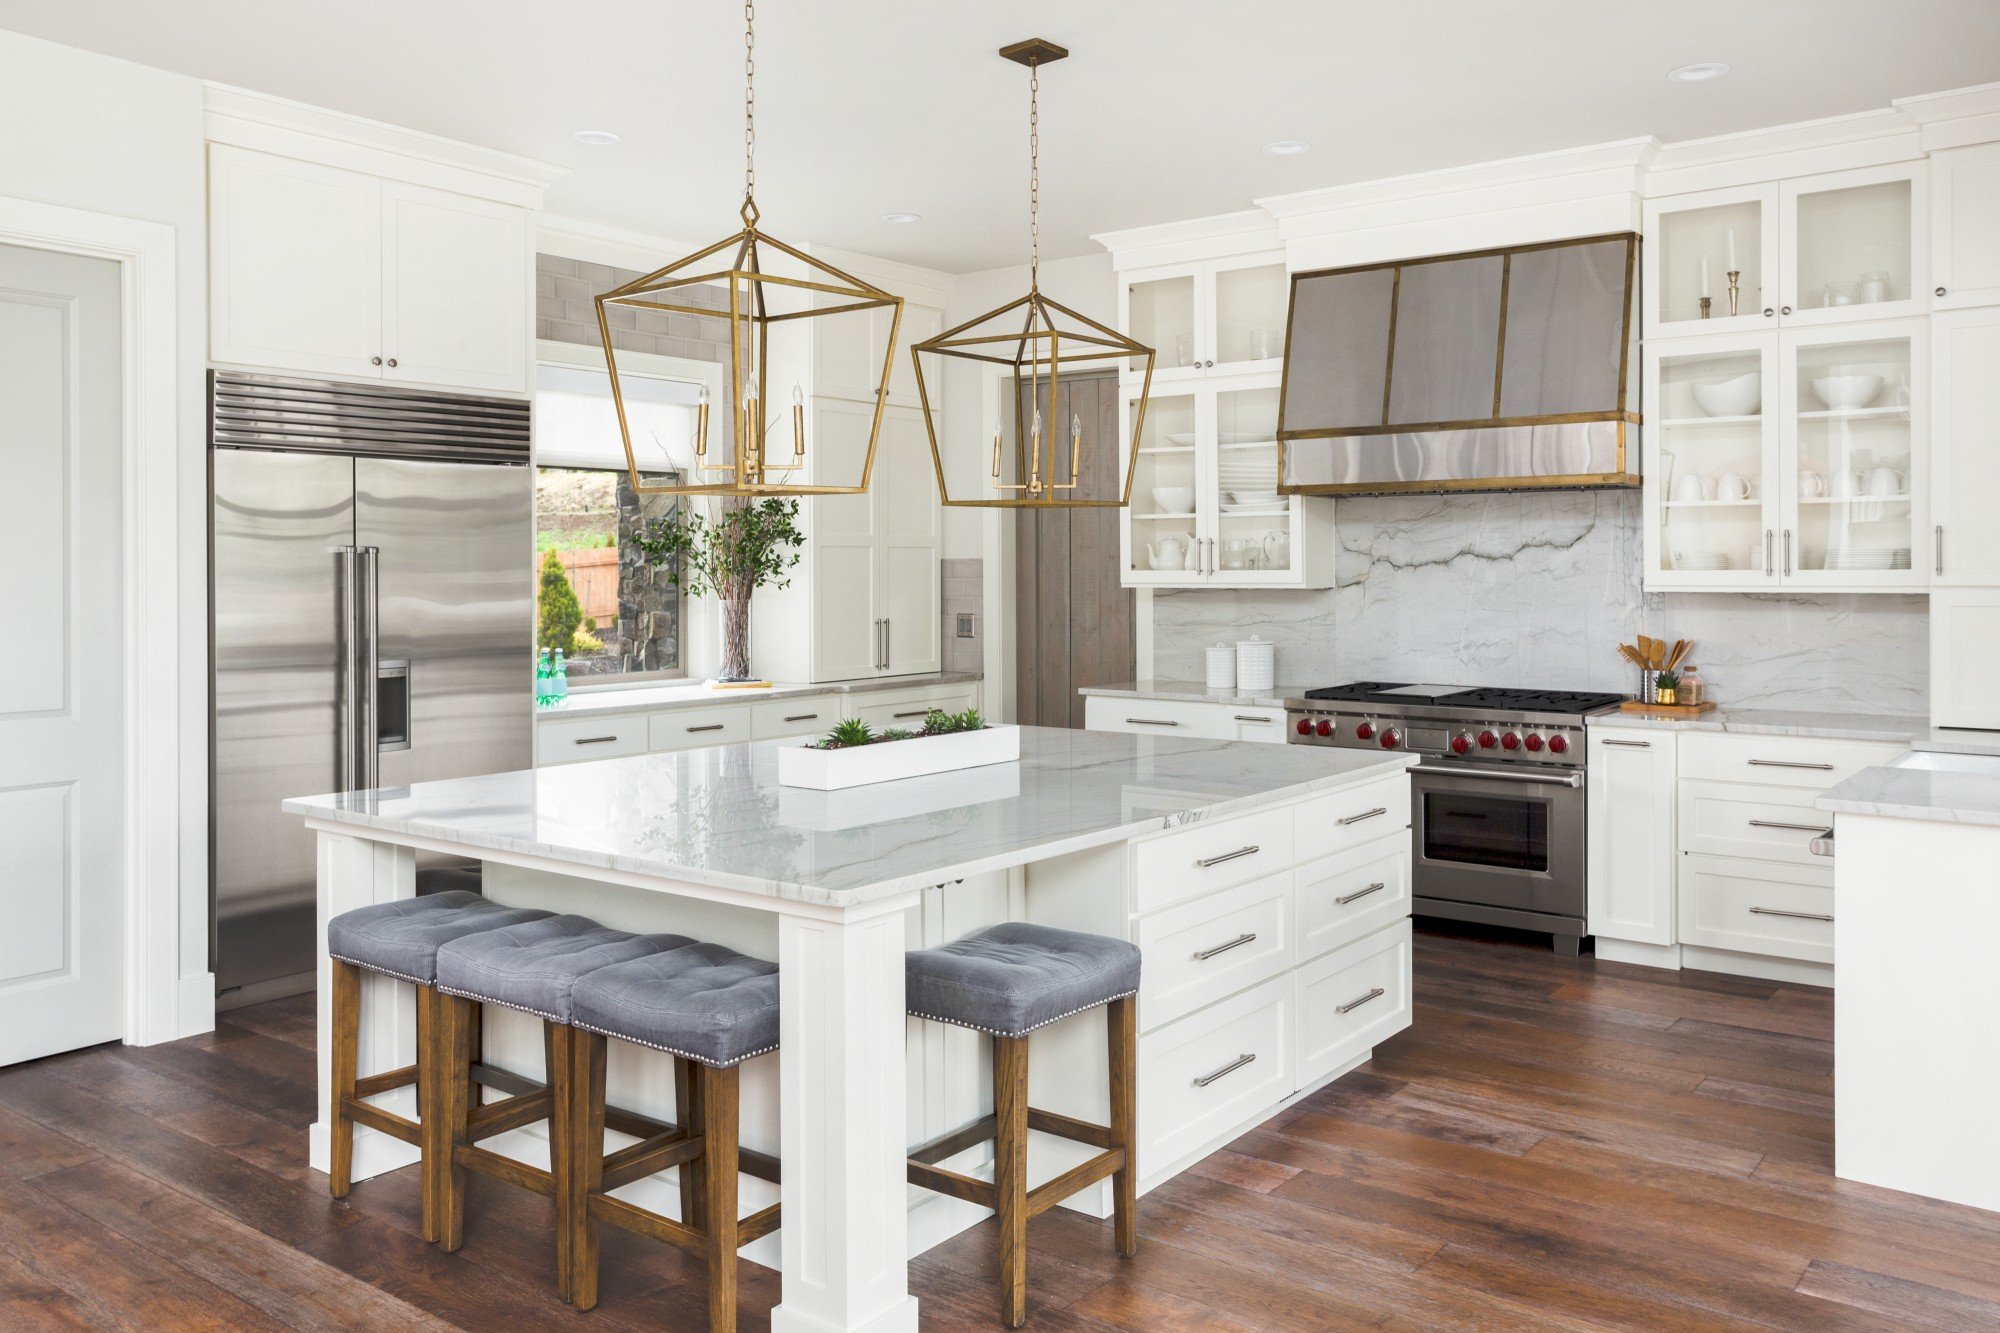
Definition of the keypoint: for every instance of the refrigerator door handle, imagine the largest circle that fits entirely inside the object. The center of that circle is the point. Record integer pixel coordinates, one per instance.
(347, 680)
(366, 667)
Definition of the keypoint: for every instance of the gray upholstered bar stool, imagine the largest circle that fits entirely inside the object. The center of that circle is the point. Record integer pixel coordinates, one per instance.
(1007, 981)
(710, 1008)
(400, 939)
(534, 968)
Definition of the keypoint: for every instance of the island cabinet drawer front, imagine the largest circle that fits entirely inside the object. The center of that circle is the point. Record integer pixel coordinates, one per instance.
(1779, 761)
(1763, 823)
(576, 739)
(1757, 907)
(1161, 717)
(1342, 820)
(1202, 1077)
(906, 710)
(1201, 857)
(1352, 999)
(794, 717)
(1214, 946)
(1338, 899)
(688, 728)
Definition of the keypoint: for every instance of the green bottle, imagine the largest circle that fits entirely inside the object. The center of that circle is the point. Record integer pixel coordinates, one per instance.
(560, 679)
(543, 689)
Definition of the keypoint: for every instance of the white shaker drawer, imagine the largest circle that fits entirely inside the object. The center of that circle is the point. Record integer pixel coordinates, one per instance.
(1204, 856)
(1757, 907)
(1763, 823)
(1352, 999)
(1213, 946)
(1162, 717)
(1338, 899)
(689, 728)
(1202, 1077)
(809, 716)
(906, 709)
(575, 739)
(1779, 761)
(1341, 820)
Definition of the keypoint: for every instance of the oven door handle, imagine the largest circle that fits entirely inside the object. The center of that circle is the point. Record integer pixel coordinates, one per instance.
(1502, 775)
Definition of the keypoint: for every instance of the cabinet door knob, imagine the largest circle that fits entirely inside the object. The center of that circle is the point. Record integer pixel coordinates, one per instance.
(1938, 292)
(1784, 310)
(392, 363)
(374, 360)
(1768, 312)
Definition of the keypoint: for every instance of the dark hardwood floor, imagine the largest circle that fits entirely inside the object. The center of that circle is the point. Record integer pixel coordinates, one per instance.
(1555, 1143)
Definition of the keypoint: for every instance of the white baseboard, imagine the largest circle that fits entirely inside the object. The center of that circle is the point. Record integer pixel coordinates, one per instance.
(1635, 951)
(1756, 965)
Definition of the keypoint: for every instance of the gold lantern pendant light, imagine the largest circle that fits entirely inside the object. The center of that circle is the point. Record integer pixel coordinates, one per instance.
(757, 303)
(1039, 339)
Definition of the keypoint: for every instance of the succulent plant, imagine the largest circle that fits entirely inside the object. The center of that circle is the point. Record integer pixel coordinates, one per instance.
(896, 734)
(848, 731)
(1668, 680)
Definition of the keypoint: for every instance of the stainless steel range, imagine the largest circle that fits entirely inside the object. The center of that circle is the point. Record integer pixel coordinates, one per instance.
(1497, 802)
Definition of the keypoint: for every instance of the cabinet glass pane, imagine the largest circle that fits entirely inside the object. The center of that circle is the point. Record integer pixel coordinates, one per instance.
(1338, 369)
(1854, 457)
(1163, 485)
(1854, 246)
(1447, 341)
(1250, 313)
(1710, 427)
(1695, 246)
(1254, 521)
(1566, 330)
(1162, 317)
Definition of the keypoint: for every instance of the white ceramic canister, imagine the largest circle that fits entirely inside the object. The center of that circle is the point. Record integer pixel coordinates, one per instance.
(1256, 664)
(1222, 667)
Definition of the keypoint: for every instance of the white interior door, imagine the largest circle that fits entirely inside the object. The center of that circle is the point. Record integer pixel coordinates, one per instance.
(907, 520)
(61, 766)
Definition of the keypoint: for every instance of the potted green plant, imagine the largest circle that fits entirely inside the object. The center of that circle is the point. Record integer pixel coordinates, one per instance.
(1667, 688)
(745, 545)
(853, 753)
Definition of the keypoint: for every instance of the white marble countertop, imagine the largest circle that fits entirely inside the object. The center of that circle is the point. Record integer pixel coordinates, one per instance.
(1950, 788)
(718, 816)
(1957, 740)
(695, 694)
(1783, 722)
(1193, 691)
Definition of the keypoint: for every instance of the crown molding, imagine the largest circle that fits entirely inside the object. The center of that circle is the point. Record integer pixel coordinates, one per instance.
(279, 125)
(1805, 148)
(925, 286)
(1575, 172)
(602, 243)
(1955, 118)
(1191, 240)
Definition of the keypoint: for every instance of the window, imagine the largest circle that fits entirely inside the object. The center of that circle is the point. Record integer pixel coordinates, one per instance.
(597, 594)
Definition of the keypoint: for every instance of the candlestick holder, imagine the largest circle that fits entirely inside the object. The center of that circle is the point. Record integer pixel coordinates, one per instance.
(1705, 303)
(1734, 275)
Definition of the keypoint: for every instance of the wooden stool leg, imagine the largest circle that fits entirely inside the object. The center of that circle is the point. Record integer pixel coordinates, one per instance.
(558, 1072)
(1122, 1018)
(430, 1115)
(1010, 1173)
(687, 1109)
(346, 1006)
(586, 1118)
(719, 1102)
(451, 1056)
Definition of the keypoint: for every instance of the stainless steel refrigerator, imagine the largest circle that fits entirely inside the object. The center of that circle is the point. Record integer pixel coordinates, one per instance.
(372, 607)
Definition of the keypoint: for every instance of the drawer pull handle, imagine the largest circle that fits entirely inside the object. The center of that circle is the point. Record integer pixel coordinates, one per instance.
(1788, 763)
(1796, 916)
(1229, 1068)
(1366, 814)
(1345, 899)
(1237, 943)
(1818, 829)
(1205, 862)
(915, 712)
(1251, 717)
(1151, 722)
(593, 740)
(801, 717)
(1375, 994)
(709, 726)
(1637, 745)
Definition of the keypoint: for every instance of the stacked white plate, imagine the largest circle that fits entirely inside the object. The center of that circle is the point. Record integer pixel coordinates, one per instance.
(1701, 560)
(1868, 559)
(1250, 482)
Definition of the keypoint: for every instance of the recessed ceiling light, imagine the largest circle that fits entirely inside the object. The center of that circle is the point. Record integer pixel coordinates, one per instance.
(595, 138)
(1286, 147)
(1698, 73)
(902, 217)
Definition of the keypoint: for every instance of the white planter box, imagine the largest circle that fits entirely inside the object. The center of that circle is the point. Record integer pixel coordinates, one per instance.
(887, 761)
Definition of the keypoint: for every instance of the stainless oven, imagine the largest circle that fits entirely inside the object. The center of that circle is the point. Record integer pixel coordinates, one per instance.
(1500, 845)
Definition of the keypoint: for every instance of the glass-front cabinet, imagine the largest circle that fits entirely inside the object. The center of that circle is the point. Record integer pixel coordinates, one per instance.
(1216, 317)
(1812, 251)
(1792, 460)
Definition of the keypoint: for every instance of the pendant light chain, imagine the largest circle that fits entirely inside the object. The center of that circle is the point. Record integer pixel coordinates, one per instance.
(749, 111)
(1034, 175)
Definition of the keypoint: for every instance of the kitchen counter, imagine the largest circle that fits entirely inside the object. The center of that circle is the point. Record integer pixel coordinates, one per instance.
(1783, 722)
(1958, 740)
(1194, 692)
(607, 702)
(1942, 787)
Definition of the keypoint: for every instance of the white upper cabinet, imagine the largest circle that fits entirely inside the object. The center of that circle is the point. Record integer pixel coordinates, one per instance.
(848, 349)
(318, 270)
(1965, 398)
(1213, 317)
(1965, 227)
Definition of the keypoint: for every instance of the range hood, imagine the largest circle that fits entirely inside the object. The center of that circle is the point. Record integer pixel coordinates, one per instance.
(1492, 370)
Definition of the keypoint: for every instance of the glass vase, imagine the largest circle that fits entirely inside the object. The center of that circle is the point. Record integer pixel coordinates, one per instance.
(736, 638)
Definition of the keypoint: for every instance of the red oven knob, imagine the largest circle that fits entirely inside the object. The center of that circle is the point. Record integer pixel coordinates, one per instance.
(1510, 742)
(1305, 727)
(1366, 731)
(1534, 742)
(1461, 743)
(1487, 740)
(1391, 738)
(1323, 727)
(1558, 745)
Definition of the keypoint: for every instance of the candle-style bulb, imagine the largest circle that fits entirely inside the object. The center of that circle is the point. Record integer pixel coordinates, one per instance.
(798, 396)
(749, 391)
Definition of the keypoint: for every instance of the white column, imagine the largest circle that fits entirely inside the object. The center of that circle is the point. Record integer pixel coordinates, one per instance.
(354, 872)
(842, 1110)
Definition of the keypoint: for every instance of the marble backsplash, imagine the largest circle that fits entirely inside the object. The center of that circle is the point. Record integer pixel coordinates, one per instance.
(1538, 590)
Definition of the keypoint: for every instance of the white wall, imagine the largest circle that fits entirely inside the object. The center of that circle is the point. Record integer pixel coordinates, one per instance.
(88, 132)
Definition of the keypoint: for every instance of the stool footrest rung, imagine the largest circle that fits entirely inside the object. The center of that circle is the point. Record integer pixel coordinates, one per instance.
(956, 1142)
(758, 1225)
(499, 1117)
(631, 1217)
(388, 1122)
(650, 1158)
(940, 1181)
(1084, 1174)
(489, 1163)
(376, 1084)
(1077, 1131)
(984, 1128)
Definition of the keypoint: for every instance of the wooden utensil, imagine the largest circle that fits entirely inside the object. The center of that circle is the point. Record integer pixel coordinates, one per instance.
(1631, 654)
(1680, 651)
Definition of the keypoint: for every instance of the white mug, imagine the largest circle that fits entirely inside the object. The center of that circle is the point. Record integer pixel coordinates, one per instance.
(1885, 482)
(1811, 484)
(1729, 486)
(1846, 484)
(1691, 488)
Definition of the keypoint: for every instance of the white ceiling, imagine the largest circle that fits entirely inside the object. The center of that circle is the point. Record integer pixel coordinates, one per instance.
(873, 106)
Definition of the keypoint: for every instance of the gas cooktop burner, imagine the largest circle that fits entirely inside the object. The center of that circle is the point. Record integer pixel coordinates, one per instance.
(1525, 701)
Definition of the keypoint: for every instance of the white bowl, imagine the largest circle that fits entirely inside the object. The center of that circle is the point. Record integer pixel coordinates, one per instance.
(1174, 499)
(1841, 392)
(1737, 397)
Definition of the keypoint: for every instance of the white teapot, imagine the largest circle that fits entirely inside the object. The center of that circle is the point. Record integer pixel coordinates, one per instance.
(1168, 553)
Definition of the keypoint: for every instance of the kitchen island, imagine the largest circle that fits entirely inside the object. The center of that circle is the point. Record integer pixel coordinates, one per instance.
(1295, 860)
